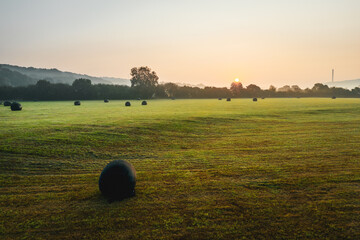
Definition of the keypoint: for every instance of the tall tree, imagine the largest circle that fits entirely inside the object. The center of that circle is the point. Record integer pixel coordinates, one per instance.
(144, 81)
(236, 88)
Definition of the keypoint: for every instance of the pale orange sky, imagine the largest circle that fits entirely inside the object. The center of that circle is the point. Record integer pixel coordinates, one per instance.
(211, 42)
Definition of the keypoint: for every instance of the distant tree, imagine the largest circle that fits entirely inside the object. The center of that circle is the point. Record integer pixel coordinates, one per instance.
(236, 88)
(82, 88)
(296, 88)
(160, 91)
(81, 83)
(307, 91)
(322, 90)
(338, 92)
(285, 88)
(171, 89)
(144, 81)
(272, 88)
(253, 88)
(356, 91)
(43, 84)
(43, 90)
(61, 91)
(320, 87)
(214, 92)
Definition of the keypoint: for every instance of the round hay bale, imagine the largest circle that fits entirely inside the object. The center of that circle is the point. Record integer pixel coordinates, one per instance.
(262, 98)
(254, 99)
(7, 103)
(144, 103)
(15, 106)
(106, 100)
(172, 98)
(117, 180)
(77, 103)
(219, 98)
(138, 98)
(127, 104)
(333, 97)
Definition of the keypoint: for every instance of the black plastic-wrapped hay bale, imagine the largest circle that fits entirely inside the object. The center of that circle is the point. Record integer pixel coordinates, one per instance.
(228, 99)
(7, 103)
(77, 103)
(15, 106)
(143, 103)
(333, 97)
(138, 98)
(254, 99)
(106, 100)
(127, 104)
(117, 180)
(219, 98)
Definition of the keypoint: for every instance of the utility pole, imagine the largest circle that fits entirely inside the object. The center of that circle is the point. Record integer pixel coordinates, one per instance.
(332, 75)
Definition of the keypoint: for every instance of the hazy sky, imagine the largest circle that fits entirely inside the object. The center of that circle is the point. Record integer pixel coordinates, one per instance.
(263, 42)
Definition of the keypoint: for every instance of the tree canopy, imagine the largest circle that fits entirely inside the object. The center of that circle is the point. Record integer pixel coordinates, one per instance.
(236, 88)
(144, 84)
(144, 80)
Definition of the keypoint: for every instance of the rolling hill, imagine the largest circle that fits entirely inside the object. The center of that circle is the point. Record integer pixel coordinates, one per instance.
(11, 75)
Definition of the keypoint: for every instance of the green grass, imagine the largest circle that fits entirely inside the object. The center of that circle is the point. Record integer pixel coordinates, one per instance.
(206, 169)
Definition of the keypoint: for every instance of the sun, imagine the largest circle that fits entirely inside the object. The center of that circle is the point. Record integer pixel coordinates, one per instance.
(237, 80)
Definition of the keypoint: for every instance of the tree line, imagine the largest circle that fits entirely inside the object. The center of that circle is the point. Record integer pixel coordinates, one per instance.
(144, 85)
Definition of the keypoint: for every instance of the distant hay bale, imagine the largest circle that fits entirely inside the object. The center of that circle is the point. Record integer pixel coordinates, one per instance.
(172, 98)
(219, 98)
(127, 104)
(262, 98)
(138, 98)
(333, 97)
(255, 99)
(144, 103)
(15, 106)
(77, 103)
(7, 103)
(106, 100)
(117, 180)
(228, 99)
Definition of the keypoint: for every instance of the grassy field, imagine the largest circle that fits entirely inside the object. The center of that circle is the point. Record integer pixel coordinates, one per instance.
(206, 169)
